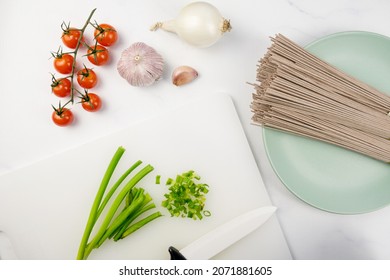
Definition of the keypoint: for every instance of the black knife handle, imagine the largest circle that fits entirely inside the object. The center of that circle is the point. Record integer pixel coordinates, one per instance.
(175, 254)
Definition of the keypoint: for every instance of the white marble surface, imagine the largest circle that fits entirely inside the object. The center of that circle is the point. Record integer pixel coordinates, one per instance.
(31, 29)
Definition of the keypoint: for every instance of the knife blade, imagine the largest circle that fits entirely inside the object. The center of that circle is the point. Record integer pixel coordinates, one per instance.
(223, 236)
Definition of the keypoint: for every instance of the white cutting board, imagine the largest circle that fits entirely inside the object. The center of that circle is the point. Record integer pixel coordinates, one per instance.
(44, 207)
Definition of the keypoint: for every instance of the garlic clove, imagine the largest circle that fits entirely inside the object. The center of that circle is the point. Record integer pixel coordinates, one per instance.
(140, 65)
(183, 75)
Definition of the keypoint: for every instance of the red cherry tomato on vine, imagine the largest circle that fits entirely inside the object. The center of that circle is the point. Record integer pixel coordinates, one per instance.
(70, 37)
(61, 87)
(87, 78)
(91, 102)
(98, 55)
(63, 63)
(62, 117)
(105, 34)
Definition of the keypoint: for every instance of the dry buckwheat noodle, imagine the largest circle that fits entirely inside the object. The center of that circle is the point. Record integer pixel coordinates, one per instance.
(301, 94)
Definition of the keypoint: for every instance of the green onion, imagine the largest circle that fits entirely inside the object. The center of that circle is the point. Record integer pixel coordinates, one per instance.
(158, 177)
(141, 223)
(186, 197)
(207, 213)
(117, 223)
(116, 185)
(93, 215)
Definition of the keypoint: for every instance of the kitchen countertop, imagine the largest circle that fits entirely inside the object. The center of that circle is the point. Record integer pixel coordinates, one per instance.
(31, 30)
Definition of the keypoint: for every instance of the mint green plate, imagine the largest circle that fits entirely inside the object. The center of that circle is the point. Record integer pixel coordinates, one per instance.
(323, 175)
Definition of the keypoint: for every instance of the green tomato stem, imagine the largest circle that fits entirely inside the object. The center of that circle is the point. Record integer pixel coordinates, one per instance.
(82, 30)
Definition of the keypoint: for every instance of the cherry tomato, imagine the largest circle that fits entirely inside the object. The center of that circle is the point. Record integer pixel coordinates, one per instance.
(105, 34)
(62, 117)
(70, 37)
(61, 87)
(87, 78)
(91, 102)
(98, 55)
(63, 63)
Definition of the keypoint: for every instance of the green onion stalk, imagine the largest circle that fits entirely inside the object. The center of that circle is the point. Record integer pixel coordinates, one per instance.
(123, 224)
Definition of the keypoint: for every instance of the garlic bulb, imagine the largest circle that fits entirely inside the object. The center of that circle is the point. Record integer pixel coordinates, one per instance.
(199, 24)
(140, 65)
(183, 75)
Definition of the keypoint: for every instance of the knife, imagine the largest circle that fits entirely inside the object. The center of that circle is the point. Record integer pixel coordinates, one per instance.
(223, 236)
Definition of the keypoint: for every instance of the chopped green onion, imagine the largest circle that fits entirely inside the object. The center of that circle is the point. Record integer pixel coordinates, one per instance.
(169, 181)
(158, 177)
(186, 197)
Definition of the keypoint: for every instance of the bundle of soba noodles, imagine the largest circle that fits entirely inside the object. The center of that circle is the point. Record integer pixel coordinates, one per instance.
(301, 94)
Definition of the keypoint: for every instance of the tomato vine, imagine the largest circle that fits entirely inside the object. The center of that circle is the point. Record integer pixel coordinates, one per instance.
(65, 62)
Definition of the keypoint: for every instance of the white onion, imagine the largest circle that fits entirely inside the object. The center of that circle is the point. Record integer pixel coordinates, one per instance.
(199, 24)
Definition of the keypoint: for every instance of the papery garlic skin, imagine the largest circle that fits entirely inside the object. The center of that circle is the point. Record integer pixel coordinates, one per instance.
(140, 65)
(183, 75)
